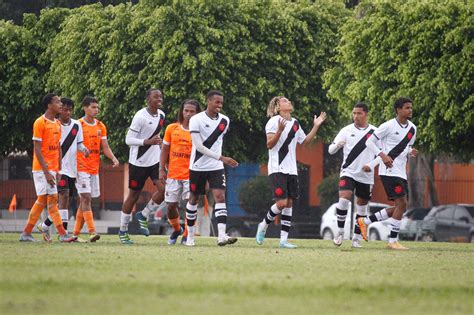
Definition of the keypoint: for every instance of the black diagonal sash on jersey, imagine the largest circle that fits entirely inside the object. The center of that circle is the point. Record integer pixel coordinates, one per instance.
(70, 138)
(284, 149)
(142, 149)
(399, 148)
(357, 149)
(212, 138)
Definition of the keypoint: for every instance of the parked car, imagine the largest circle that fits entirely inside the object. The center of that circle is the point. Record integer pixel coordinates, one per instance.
(413, 227)
(377, 230)
(451, 223)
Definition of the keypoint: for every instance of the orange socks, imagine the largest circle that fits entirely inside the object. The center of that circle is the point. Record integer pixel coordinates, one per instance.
(35, 213)
(89, 218)
(53, 211)
(79, 222)
(175, 224)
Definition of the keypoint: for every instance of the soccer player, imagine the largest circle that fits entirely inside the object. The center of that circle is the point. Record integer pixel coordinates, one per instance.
(283, 132)
(175, 155)
(46, 168)
(71, 141)
(397, 137)
(352, 139)
(144, 140)
(87, 183)
(207, 165)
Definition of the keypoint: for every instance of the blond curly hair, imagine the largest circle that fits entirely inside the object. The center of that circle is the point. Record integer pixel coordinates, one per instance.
(274, 106)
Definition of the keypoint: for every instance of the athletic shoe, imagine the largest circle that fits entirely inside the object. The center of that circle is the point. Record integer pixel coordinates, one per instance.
(26, 238)
(143, 223)
(66, 238)
(363, 228)
(356, 243)
(337, 241)
(396, 246)
(183, 240)
(174, 236)
(125, 238)
(260, 237)
(93, 237)
(285, 244)
(46, 232)
(79, 239)
(190, 241)
(226, 240)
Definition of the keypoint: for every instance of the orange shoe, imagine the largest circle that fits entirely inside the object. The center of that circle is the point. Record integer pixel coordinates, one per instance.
(363, 228)
(396, 246)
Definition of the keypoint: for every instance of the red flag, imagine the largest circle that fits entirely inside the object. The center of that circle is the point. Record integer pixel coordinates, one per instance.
(12, 206)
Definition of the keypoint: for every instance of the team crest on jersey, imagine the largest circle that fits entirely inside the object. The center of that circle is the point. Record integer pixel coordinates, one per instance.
(398, 189)
(409, 136)
(368, 135)
(74, 132)
(162, 122)
(295, 128)
(99, 132)
(221, 127)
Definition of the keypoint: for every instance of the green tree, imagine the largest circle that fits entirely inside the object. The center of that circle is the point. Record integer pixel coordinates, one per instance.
(421, 49)
(251, 50)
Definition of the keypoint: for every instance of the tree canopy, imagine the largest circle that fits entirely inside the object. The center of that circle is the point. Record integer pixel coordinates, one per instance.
(420, 49)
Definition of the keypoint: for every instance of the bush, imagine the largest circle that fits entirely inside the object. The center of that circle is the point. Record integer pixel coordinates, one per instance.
(255, 195)
(328, 191)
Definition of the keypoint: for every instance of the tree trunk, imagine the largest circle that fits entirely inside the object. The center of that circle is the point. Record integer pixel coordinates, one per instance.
(421, 181)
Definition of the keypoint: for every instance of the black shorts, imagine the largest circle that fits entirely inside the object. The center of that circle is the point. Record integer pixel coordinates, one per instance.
(363, 191)
(395, 187)
(67, 183)
(137, 175)
(198, 179)
(284, 186)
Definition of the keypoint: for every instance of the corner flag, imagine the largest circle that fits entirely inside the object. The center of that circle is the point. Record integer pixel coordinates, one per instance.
(12, 206)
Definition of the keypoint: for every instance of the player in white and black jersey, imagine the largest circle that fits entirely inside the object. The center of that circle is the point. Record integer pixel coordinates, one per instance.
(71, 141)
(396, 137)
(207, 165)
(283, 132)
(144, 140)
(352, 140)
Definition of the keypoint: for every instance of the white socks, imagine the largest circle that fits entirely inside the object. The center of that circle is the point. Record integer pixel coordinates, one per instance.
(124, 221)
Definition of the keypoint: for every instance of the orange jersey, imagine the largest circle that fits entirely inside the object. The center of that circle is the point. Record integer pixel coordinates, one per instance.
(180, 144)
(49, 133)
(93, 134)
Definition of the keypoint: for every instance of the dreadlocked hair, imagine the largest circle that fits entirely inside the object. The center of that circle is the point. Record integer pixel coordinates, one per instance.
(274, 106)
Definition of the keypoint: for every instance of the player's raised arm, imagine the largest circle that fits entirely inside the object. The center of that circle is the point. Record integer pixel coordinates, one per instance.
(317, 122)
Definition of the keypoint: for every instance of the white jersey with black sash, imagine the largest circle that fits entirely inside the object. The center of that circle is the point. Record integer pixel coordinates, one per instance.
(282, 157)
(212, 131)
(145, 126)
(71, 137)
(396, 141)
(356, 154)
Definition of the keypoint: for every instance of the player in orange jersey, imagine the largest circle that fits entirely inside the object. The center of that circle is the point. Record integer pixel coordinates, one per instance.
(87, 183)
(175, 154)
(46, 168)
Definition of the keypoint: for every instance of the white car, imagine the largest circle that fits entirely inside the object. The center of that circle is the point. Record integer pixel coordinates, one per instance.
(377, 230)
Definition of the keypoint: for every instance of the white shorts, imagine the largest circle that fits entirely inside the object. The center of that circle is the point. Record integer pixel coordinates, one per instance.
(88, 184)
(41, 185)
(175, 189)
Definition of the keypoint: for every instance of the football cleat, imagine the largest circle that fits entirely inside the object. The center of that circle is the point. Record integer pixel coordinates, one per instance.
(396, 246)
(260, 237)
(337, 241)
(66, 238)
(26, 238)
(94, 237)
(286, 244)
(174, 236)
(143, 223)
(125, 238)
(363, 228)
(226, 240)
(46, 232)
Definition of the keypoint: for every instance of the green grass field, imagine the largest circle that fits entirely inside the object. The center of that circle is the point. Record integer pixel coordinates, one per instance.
(154, 278)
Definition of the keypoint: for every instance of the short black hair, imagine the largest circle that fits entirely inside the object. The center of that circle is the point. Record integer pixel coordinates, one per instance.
(67, 101)
(87, 100)
(149, 91)
(211, 93)
(362, 105)
(399, 102)
(47, 99)
(181, 108)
